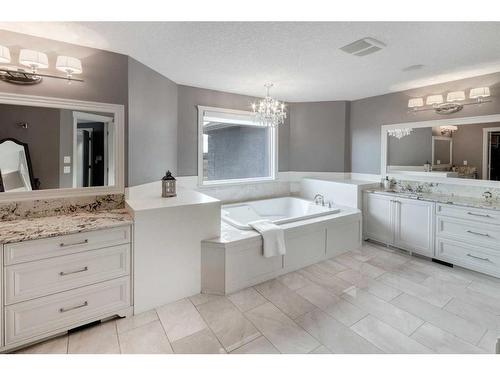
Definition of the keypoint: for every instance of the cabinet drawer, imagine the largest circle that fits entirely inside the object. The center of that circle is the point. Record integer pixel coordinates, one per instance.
(40, 316)
(475, 214)
(468, 230)
(63, 245)
(468, 256)
(37, 279)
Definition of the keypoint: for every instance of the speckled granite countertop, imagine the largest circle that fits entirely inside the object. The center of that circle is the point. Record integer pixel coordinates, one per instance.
(441, 198)
(51, 226)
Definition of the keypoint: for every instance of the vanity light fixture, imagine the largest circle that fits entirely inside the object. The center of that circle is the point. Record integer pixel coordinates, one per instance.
(36, 60)
(448, 130)
(454, 101)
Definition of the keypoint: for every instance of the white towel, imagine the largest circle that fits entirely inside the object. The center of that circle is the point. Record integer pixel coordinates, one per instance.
(273, 235)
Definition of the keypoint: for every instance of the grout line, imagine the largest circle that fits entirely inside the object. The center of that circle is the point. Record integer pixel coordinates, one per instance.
(209, 328)
(118, 338)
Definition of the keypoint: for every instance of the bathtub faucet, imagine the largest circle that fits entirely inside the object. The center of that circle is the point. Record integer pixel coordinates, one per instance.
(319, 199)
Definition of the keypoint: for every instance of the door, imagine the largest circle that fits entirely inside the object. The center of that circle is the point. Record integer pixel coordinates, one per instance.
(414, 226)
(494, 156)
(378, 218)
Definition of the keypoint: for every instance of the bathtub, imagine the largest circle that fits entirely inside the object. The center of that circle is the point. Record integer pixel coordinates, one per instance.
(278, 210)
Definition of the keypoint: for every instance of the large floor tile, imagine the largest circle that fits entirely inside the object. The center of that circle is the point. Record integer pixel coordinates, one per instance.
(387, 338)
(146, 339)
(443, 342)
(99, 339)
(334, 335)
(247, 299)
(294, 280)
(332, 266)
(285, 299)
(340, 309)
(260, 345)
(384, 311)
(135, 321)
(202, 298)
(409, 287)
(280, 330)
(474, 314)
(389, 261)
(373, 286)
(201, 342)
(364, 268)
(464, 329)
(228, 323)
(57, 345)
(325, 279)
(489, 341)
(180, 319)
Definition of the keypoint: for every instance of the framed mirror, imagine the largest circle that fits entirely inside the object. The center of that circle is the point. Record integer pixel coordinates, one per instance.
(53, 147)
(466, 148)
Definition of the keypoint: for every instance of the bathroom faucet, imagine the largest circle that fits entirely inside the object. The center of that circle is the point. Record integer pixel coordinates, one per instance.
(318, 198)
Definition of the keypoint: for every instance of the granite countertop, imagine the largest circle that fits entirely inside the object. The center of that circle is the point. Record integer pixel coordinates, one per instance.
(442, 198)
(50, 226)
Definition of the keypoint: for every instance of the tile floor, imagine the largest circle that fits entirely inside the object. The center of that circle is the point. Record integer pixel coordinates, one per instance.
(374, 300)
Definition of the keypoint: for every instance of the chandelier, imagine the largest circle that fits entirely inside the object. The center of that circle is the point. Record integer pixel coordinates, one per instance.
(269, 112)
(399, 133)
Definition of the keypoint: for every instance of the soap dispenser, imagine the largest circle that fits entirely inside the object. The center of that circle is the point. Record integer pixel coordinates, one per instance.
(168, 186)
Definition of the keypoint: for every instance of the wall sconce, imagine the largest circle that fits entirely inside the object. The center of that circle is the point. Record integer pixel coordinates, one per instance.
(454, 101)
(36, 60)
(448, 130)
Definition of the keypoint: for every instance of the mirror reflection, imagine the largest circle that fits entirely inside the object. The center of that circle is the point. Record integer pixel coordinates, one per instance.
(464, 151)
(52, 148)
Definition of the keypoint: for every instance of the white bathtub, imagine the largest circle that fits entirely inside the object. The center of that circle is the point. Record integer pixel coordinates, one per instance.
(278, 210)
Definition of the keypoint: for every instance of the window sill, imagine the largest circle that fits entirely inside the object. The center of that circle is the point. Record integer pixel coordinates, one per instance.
(235, 182)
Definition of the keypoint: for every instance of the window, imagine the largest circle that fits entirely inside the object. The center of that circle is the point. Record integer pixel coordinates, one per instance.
(233, 147)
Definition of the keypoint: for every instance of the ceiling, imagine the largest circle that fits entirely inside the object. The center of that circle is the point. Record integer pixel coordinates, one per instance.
(302, 59)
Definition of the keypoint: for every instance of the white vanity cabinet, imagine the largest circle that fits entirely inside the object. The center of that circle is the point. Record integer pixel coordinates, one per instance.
(405, 223)
(54, 284)
(469, 237)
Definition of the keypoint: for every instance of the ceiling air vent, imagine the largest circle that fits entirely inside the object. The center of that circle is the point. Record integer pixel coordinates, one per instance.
(363, 47)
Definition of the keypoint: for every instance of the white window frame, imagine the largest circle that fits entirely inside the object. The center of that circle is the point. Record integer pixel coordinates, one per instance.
(273, 152)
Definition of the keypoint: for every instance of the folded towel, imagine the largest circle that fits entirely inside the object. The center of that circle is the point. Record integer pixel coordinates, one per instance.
(273, 235)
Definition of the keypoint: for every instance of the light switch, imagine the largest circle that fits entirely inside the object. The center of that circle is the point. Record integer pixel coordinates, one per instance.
(465, 162)
(67, 159)
(67, 169)
(439, 162)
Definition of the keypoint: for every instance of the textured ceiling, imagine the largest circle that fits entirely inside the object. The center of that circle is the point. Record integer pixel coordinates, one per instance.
(302, 59)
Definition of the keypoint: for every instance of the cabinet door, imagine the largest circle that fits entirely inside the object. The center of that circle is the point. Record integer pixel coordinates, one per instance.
(414, 226)
(378, 218)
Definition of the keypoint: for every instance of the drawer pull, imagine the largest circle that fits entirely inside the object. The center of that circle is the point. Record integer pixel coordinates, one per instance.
(478, 234)
(481, 215)
(62, 244)
(66, 309)
(62, 273)
(475, 257)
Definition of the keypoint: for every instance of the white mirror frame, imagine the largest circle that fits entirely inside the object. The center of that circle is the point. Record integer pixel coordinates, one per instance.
(441, 138)
(433, 123)
(118, 112)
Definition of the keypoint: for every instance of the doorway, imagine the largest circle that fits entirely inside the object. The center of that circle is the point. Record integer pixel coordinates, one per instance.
(491, 154)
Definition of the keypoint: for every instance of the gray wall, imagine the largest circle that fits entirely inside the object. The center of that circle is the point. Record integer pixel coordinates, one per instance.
(318, 136)
(368, 115)
(414, 149)
(187, 136)
(42, 137)
(152, 124)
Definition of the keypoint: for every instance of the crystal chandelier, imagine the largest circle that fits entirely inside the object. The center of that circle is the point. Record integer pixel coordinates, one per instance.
(269, 112)
(400, 133)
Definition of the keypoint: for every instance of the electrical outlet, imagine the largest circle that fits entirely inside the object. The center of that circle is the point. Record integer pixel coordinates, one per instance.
(438, 162)
(67, 169)
(465, 162)
(67, 159)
